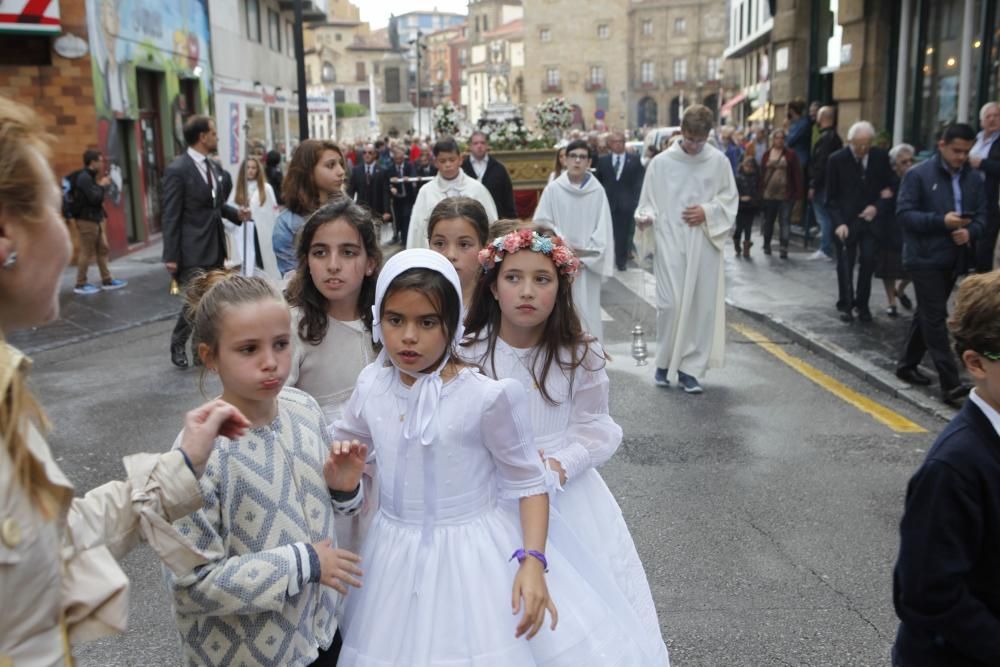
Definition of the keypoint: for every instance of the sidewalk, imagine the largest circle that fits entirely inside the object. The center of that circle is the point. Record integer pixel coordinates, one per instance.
(145, 299)
(797, 296)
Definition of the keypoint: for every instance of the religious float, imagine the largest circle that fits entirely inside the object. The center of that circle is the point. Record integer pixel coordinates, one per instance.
(529, 156)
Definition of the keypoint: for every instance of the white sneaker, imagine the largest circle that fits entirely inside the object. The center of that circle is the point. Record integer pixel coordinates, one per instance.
(819, 254)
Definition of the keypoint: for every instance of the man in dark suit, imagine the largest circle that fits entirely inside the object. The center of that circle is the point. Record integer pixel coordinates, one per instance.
(985, 157)
(368, 185)
(621, 175)
(424, 167)
(855, 178)
(491, 173)
(193, 205)
(402, 193)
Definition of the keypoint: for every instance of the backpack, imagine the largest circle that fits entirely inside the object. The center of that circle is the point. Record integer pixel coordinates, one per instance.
(72, 205)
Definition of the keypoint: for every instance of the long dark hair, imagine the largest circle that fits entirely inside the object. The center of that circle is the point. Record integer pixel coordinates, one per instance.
(439, 291)
(563, 340)
(298, 190)
(302, 291)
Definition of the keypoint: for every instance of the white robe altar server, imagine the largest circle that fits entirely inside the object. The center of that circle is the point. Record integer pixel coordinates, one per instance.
(450, 181)
(577, 207)
(689, 196)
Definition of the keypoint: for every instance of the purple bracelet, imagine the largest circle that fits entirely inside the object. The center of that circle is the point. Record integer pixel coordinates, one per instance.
(521, 554)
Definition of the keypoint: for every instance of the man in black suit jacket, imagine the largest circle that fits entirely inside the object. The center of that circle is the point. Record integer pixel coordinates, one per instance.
(193, 205)
(368, 185)
(856, 175)
(491, 173)
(621, 175)
(402, 193)
(989, 167)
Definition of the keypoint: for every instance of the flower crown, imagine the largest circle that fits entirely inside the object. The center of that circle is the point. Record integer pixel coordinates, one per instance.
(552, 247)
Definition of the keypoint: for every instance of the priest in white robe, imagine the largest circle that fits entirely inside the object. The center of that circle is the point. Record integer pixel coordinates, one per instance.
(450, 181)
(689, 196)
(576, 206)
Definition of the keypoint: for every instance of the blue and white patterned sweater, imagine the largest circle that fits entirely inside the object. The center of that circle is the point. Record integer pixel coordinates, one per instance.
(256, 602)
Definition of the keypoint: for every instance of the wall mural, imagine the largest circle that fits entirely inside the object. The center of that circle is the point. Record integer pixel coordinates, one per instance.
(141, 51)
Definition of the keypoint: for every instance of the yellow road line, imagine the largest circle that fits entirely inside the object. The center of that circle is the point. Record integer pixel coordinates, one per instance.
(893, 420)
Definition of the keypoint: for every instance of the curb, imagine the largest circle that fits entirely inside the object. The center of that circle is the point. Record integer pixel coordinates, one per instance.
(850, 362)
(91, 335)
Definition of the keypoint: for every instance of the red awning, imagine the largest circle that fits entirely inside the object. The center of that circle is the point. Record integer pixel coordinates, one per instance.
(730, 103)
(29, 16)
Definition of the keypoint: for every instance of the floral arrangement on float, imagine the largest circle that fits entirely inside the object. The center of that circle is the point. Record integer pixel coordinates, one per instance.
(511, 135)
(554, 116)
(447, 119)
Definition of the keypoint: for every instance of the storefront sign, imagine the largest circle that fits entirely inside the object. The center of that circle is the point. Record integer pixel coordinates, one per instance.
(781, 59)
(845, 54)
(29, 16)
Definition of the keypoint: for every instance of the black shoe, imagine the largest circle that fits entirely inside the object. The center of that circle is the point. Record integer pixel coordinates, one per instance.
(767, 249)
(912, 376)
(622, 267)
(783, 254)
(846, 316)
(178, 356)
(955, 395)
(904, 301)
(892, 312)
(865, 315)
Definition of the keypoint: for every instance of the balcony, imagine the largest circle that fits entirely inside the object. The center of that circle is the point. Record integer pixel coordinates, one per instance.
(594, 86)
(551, 87)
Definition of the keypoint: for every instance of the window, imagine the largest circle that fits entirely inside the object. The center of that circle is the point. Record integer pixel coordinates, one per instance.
(328, 75)
(273, 30)
(680, 26)
(647, 72)
(289, 38)
(359, 72)
(552, 77)
(603, 31)
(338, 36)
(253, 20)
(680, 70)
(485, 24)
(544, 35)
(596, 76)
(477, 24)
(714, 69)
(339, 96)
(647, 27)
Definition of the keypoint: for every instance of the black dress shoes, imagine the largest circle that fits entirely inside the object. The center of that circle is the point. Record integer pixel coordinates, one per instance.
(955, 395)
(865, 315)
(912, 376)
(846, 316)
(178, 355)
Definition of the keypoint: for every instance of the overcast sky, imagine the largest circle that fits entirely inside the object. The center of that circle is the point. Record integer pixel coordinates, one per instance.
(377, 12)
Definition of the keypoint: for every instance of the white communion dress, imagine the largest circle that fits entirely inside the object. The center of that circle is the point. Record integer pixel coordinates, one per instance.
(437, 582)
(579, 433)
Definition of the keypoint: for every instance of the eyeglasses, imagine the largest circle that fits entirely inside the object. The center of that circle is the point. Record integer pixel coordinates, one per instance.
(695, 142)
(992, 356)
(579, 157)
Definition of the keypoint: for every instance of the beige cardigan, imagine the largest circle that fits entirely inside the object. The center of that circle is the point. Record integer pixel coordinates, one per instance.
(63, 573)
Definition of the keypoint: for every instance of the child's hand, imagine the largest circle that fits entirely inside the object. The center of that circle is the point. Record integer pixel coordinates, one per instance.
(204, 424)
(529, 585)
(336, 566)
(553, 464)
(343, 467)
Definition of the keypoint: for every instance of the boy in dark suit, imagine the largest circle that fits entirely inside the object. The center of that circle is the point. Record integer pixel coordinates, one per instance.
(194, 203)
(946, 586)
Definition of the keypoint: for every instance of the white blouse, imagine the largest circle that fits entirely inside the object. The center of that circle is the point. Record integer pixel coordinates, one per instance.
(328, 371)
(578, 431)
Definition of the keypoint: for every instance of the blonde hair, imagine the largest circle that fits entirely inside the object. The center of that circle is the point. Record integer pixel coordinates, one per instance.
(21, 137)
(975, 320)
(242, 195)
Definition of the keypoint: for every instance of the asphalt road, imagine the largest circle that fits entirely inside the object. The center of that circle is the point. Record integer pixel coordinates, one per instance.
(765, 510)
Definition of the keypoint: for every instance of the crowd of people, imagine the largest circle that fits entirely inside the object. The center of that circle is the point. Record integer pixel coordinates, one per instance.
(407, 422)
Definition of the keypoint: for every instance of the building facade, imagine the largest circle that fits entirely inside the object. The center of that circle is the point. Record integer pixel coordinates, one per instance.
(579, 51)
(676, 59)
(441, 76)
(495, 73)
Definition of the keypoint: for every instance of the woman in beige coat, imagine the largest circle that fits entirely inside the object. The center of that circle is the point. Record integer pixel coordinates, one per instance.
(59, 580)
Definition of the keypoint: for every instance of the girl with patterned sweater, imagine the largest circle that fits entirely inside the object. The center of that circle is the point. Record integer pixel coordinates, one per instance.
(269, 592)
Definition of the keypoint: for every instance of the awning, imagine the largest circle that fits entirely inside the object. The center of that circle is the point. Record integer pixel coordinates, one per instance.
(728, 106)
(763, 112)
(29, 17)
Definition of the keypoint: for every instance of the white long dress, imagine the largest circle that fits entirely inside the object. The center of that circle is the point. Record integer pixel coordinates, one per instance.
(688, 263)
(328, 372)
(579, 433)
(582, 216)
(431, 194)
(437, 584)
(262, 218)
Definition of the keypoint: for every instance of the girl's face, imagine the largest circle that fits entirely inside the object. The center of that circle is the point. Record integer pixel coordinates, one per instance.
(778, 140)
(328, 174)
(456, 239)
(526, 288)
(562, 157)
(253, 356)
(413, 331)
(449, 164)
(338, 263)
(252, 169)
(29, 290)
